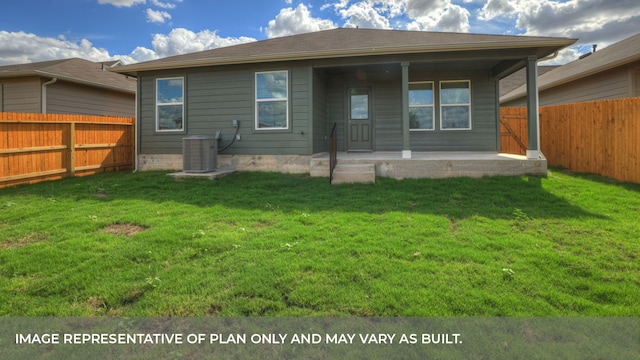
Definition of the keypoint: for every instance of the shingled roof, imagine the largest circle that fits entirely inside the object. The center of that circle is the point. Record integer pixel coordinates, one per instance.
(618, 54)
(348, 42)
(73, 70)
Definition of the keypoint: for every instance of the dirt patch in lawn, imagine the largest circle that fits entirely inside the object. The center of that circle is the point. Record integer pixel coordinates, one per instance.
(29, 239)
(124, 229)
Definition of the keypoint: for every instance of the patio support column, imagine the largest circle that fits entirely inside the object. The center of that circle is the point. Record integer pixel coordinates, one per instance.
(406, 148)
(533, 112)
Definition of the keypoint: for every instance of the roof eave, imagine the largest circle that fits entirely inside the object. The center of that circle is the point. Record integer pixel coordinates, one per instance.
(85, 82)
(133, 69)
(14, 74)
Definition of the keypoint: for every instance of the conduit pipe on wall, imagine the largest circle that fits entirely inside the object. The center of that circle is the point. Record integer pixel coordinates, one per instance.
(43, 107)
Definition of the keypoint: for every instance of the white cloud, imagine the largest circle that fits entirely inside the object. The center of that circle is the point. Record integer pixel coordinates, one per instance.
(601, 22)
(139, 54)
(438, 15)
(364, 15)
(434, 15)
(163, 5)
(153, 15)
(156, 16)
(21, 47)
(589, 20)
(496, 8)
(564, 56)
(393, 8)
(182, 41)
(122, 3)
(296, 21)
(337, 6)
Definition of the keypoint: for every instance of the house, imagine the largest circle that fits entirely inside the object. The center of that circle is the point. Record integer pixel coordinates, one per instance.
(394, 96)
(610, 73)
(69, 86)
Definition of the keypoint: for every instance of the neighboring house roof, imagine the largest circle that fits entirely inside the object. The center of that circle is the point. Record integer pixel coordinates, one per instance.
(618, 54)
(519, 78)
(348, 42)
(74, 70)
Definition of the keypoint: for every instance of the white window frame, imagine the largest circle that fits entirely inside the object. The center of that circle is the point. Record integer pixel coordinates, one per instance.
(259, 101)
(432, 105)
(158, 104)
(452, 105)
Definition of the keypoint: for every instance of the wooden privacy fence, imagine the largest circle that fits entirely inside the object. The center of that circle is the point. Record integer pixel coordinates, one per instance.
(600, 137)
(37, 147)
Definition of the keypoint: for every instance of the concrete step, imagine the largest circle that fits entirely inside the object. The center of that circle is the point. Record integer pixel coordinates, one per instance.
(354, 173)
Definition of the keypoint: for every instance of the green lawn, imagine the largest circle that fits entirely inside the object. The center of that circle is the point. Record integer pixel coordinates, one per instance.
(255, 244)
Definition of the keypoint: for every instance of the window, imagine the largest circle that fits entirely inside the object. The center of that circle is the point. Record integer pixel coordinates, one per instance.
(455, 105)
(359, 104)
(421, 106)
(170, 104)
(272, 100)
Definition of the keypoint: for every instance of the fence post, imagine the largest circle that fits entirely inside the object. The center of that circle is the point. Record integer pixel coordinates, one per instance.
(72, 148)
(134, 141)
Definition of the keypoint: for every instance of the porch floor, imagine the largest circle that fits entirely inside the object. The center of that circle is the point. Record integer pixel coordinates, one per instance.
(433, 155)
(435, 164)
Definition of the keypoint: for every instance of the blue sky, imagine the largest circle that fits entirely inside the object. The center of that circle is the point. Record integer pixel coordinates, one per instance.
(140, 30)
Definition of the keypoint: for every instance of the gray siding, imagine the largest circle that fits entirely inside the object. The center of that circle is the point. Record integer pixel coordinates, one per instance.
(321, 127)
(20, 95)
(388, 116)
(387, 98)
(215, 97)
(69, 98)
(336, 93)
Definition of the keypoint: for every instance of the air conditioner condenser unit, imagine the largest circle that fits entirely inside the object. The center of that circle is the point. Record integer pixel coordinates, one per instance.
(199, 153)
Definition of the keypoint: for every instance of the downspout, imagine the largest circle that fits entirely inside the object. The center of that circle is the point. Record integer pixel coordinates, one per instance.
(43, 108)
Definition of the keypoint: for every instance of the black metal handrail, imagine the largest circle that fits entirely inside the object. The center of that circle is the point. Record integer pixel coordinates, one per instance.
(333, 152)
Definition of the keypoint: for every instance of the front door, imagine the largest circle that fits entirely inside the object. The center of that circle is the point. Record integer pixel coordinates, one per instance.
(359, 120)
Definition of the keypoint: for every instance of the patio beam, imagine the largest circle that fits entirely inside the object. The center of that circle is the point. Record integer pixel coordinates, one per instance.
(406, 147)
(533, 114)
(506, 68)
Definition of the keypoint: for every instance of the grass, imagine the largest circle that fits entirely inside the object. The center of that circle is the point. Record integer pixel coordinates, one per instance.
(263, 244)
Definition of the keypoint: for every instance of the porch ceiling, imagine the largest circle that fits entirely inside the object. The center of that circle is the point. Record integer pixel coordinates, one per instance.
(420, 66)
(499, 63)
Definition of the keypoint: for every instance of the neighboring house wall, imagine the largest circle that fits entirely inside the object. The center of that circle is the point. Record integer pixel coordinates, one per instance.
(20, 95)
(612, 84)
(69, 98)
